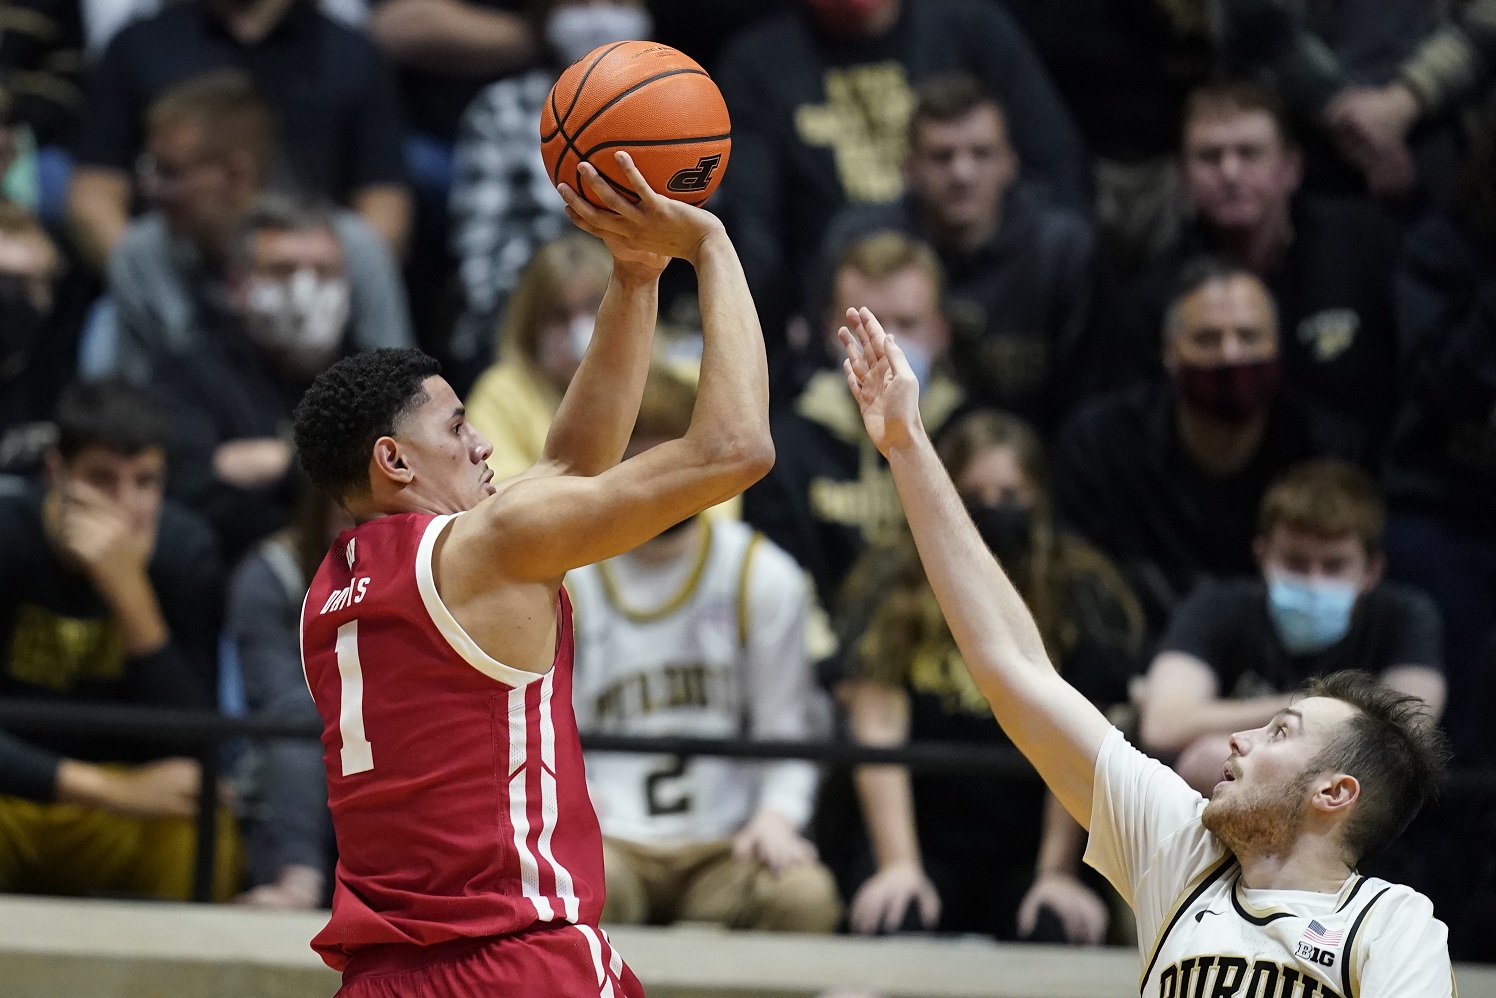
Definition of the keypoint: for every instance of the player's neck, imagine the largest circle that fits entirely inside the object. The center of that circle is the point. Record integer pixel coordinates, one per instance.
(1313, 863)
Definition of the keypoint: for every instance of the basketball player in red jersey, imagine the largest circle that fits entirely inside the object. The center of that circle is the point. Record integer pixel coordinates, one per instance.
(437, 641)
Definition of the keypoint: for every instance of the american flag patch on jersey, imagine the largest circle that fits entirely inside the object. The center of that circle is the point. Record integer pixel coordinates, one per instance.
(1319, 934)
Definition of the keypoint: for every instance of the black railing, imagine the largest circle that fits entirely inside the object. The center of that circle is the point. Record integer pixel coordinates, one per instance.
(206, 731)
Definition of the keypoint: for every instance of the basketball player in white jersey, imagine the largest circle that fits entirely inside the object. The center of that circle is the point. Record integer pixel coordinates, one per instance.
(1252, 894)
(699, 633)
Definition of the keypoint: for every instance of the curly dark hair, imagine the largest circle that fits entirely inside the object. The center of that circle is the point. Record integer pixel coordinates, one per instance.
(351, 405)
(1392, 746)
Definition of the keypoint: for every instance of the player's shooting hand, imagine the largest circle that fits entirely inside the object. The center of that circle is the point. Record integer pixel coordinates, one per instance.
(880, 904)
(643, 234)
(881, 381)
(771, 840)
(1083, 914)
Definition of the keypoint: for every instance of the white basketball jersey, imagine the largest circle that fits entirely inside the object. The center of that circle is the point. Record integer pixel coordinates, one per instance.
(709, 646)
(1203, 935)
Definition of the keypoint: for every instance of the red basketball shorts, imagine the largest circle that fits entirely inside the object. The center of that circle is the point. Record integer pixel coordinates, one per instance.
(572, 961)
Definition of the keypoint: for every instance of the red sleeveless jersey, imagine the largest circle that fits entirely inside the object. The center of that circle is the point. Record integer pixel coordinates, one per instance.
(456, 783)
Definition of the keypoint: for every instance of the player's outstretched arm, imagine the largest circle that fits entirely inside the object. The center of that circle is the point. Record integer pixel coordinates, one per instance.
(597, 413)
(539, 528)
(1055, 727)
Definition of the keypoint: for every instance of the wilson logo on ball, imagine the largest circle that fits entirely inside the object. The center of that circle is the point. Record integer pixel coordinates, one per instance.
(694, 178)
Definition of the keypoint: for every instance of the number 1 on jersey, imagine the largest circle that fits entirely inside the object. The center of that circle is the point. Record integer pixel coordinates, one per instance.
(358, 754)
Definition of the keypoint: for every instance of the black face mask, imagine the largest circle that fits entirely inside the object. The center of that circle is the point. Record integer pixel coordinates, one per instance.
(1007, 528)
(21, 324)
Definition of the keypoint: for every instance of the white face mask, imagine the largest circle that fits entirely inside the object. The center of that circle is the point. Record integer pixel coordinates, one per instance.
(303, 317)
(579, 335)
(573, 30)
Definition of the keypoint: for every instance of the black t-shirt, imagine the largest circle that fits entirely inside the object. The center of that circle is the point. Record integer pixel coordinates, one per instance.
(434, 102)
(57, 639)
(341, 128)
(1124, 480)
(1227, 625)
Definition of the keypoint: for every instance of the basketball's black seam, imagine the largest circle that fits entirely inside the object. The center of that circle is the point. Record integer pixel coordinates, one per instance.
(620, 96)
(576, 95)
(654, 142)
(567, 143)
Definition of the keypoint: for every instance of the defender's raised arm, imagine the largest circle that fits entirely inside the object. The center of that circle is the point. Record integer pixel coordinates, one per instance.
(1055, 727)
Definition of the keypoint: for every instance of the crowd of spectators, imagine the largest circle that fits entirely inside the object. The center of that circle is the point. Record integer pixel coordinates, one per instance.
(1202, 300)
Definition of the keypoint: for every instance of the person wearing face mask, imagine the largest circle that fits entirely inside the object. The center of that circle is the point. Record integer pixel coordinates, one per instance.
(503, 203)
(953, 852)
(829, 494)
(539, 347)
(1166, 477)
(1235, 649)
(1328, 261)
(212, 143)
(230, 398)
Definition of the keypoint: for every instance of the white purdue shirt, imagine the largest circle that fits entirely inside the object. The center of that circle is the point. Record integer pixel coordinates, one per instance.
(709, 646)
(1203, 935)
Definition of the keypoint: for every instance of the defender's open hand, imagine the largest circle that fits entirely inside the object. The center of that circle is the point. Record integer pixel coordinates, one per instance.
(881, 380)
(648, 233)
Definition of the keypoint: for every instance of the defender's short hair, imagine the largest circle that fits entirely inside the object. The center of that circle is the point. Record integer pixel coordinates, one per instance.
(232, 113)
(1326, 498)
(351, 405)
(109, 413)
(1392, 747)
(950, 97)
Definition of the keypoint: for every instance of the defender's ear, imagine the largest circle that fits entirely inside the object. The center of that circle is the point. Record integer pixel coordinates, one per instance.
(1336, 793)
(388, 462)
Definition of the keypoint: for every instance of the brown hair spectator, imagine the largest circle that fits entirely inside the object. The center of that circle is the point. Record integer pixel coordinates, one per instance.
(883, 254)
(229, 110)
(1326, 498)
(1239, 96)
(949, 97)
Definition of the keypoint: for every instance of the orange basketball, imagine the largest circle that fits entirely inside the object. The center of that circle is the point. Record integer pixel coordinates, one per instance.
(649, 100)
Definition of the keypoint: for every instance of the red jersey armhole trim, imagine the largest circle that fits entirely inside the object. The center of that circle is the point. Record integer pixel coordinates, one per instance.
(451, 631)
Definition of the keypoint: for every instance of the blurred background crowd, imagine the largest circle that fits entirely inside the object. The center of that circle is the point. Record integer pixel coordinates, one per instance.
(1202, 299)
